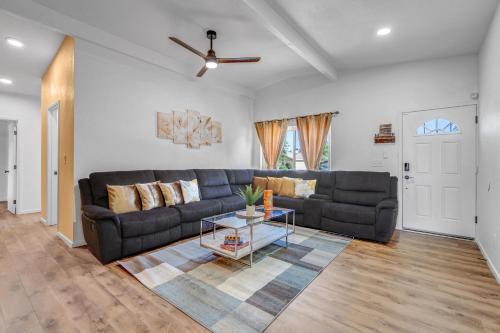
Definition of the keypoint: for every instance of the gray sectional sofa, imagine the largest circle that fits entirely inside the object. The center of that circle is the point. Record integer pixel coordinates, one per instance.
(359, 204)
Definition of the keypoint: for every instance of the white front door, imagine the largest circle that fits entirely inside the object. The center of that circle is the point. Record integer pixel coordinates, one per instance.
(52, 163)
(12, 168)
(439, 171)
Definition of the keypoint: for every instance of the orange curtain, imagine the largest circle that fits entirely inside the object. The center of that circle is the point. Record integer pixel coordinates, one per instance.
(312, 133)
(272, 137)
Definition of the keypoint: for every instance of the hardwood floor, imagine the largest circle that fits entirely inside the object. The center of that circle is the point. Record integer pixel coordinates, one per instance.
(417, 283)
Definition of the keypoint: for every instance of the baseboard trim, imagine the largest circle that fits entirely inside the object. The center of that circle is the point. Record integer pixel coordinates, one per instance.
(29, 211)
(492, 268)
(68, 241)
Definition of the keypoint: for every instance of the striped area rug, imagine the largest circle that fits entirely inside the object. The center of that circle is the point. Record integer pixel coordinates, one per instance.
(227, 296)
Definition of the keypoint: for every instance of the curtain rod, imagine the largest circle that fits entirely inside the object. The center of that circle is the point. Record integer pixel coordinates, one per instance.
(335, 114)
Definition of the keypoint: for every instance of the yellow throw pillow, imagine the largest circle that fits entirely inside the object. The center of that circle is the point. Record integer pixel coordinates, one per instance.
(123, 198)
(288, 187)
(274, 184)
(172, 193)
(260, 182)
(151, 196)
(190, 191)
(305, 188)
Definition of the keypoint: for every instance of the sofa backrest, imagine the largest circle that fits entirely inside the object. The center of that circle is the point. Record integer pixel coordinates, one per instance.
(325, 180)
(170, 176)
(213, 183)
(362, 187)
(239, 178)
(99, 180)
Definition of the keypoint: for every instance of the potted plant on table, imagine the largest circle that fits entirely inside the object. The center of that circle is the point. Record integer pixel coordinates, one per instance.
(250, 196)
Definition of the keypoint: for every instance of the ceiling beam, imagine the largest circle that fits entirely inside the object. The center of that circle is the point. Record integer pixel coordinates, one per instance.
(284, 31)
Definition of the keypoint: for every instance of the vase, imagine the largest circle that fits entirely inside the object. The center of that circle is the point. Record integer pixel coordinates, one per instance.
(250, 210)
(268, 200)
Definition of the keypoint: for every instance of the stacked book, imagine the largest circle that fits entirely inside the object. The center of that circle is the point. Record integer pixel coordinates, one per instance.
(233, 242)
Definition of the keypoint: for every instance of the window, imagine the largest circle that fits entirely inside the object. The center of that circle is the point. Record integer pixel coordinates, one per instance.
(438, 126)
(291, 156)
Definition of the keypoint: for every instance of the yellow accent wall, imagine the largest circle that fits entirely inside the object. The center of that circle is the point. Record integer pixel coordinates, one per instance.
(58, 85)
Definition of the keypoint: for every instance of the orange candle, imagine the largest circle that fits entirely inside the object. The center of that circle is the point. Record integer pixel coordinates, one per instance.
(268, 200)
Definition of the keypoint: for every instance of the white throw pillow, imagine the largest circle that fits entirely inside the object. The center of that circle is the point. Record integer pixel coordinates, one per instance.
(190, 191)
(304, 188)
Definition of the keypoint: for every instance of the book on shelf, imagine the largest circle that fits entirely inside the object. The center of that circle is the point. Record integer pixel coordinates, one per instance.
(232, 247)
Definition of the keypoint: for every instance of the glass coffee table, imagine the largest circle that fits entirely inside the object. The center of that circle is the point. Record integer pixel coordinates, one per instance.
(258, 232)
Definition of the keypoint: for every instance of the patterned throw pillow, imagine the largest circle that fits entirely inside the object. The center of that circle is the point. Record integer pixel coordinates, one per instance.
(305, 188)
(123, 198)
(288, 187)
(274, 184)
(190, 191)
(151, 196)
(172, 193)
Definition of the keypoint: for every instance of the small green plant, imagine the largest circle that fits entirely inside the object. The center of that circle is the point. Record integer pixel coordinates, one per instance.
(249, 195)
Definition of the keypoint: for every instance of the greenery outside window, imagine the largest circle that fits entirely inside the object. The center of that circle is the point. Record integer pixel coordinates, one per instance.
(291, 156)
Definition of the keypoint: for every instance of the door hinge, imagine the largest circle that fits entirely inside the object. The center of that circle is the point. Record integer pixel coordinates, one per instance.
(475, 219)
(15, 167)
(477, 119)
(15, 132)
(14, 202)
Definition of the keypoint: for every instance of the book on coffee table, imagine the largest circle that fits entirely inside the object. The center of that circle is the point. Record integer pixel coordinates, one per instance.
(231, 247)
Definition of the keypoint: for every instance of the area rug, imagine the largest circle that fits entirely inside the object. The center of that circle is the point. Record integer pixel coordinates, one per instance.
(228, 296)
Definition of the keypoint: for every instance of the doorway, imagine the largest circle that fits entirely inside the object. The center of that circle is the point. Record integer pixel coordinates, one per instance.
(8, 164)
(439, 171)
(52, 163)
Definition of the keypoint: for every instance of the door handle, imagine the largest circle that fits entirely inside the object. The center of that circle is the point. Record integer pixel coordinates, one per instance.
(6, 171)
(55, 173)
(408, 177)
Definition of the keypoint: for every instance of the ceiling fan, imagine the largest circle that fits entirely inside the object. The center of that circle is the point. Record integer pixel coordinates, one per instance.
(211, 61)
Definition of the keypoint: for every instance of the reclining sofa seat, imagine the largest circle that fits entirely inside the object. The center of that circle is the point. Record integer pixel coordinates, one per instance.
(360, 204)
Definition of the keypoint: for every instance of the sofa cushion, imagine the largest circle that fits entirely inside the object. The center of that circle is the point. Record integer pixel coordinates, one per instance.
(361, 188)
(290, 203)
(239, 178)
(232, 203)
(195, 211)
(170, 176)
(146, 222)
(213, 183)
(348, 213)
(99, 181)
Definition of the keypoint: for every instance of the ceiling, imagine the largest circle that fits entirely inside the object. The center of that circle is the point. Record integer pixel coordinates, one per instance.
(340, 33)
(25, 66)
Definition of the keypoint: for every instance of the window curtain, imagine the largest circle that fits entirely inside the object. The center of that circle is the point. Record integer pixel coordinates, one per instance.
(312, 134)
(272, 137)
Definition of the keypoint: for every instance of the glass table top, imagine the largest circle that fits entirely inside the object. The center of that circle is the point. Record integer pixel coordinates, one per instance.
(231, 220)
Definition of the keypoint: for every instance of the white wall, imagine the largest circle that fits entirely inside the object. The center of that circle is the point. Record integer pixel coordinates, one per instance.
(368, 98)
(116, 100)
(3, 159)
(488, 228)
(26, 110)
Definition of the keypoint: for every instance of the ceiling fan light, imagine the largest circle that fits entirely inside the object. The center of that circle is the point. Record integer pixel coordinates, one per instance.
(211, 64)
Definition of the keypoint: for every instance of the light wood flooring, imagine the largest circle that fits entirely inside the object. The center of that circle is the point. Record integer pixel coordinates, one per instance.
(417, 283)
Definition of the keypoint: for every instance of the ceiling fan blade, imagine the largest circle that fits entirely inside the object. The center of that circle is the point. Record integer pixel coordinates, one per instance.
(181, 43)
(202, 71)
(233, 60)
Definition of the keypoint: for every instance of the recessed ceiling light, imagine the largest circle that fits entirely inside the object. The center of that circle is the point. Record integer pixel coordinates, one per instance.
(14, 42)
(5, 81)
(383, 31)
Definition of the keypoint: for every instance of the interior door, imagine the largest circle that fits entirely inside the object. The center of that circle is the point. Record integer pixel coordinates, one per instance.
(12, 168)
(439, 171)
(52, 163)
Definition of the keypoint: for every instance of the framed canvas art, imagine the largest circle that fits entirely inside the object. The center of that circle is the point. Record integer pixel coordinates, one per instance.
(216, 132)
(165, 125)
(180, 126)
(193, 129)
(206, 130)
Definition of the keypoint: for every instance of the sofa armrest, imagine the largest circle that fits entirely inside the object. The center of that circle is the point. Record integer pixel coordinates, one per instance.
(386, 217)
(387, 204)
(320, 197)
(97, 212)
